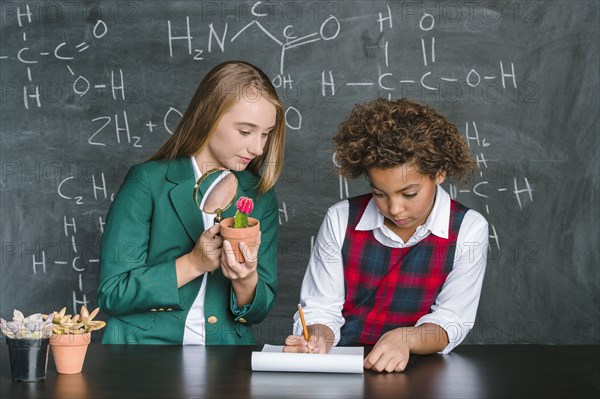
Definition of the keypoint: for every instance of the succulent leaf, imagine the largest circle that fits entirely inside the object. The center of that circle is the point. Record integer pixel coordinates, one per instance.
(18, 316)
(78, 324)
(30, 327)
(93, 314)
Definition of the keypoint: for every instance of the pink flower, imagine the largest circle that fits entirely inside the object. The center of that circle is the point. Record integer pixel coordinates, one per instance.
(245, 205)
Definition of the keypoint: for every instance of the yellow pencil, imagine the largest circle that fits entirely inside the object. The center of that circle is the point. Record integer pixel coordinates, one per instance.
(304, 329)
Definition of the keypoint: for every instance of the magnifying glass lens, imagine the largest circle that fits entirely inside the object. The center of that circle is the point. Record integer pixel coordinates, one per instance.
(215, 191)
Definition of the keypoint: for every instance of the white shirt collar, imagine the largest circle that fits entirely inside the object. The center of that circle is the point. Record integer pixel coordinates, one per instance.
(437, 223)
(197, 173)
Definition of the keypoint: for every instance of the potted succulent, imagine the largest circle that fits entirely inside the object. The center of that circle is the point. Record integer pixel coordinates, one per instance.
(27, 339)
(241, 227)
(71, 337)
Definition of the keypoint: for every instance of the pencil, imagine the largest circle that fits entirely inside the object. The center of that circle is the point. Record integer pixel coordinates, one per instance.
(304, 329)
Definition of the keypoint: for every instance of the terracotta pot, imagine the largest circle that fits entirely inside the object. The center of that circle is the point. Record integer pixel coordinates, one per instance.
(69, 351)
(249, 235)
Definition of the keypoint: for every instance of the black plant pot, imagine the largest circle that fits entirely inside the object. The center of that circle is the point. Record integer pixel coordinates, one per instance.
(28, 358)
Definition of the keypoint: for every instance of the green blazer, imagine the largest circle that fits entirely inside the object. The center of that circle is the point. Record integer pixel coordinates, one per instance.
(154, 220)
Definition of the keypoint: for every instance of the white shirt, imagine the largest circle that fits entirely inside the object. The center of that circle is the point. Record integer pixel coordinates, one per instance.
(323, 293)
(195, 332)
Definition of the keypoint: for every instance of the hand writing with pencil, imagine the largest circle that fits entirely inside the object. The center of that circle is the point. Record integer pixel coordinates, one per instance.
(316, 338)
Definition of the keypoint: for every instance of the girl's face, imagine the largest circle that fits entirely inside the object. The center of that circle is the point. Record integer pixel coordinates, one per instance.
(240, 135)
(404, 196)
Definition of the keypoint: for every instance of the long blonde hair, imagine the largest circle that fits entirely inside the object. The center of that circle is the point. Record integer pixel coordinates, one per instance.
(215, 95)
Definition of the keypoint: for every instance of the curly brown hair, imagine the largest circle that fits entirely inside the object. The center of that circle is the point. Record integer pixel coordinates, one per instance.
(384, 134)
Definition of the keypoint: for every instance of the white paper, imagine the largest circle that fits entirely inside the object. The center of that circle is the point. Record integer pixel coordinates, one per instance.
(347, 359)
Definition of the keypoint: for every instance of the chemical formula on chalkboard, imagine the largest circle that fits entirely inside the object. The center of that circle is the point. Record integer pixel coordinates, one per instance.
(118, 128)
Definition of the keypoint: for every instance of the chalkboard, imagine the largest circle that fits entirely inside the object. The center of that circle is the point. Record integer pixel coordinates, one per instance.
(88, 89)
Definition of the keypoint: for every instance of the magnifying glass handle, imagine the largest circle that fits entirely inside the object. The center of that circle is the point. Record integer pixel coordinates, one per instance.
(217, 220)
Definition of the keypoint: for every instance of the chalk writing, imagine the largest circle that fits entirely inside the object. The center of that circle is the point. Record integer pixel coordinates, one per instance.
(121, 108)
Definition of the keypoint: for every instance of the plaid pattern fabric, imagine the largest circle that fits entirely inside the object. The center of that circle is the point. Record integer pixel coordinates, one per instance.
(388, 287)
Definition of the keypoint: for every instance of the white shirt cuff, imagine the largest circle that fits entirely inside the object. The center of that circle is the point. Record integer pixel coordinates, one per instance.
(456, 330)
(315, 319)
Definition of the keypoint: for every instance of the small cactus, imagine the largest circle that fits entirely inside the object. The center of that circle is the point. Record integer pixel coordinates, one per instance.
(244, 206)
(30, 327)
(81, 323)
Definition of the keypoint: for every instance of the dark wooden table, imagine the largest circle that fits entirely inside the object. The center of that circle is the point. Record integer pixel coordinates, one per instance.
(471, 371)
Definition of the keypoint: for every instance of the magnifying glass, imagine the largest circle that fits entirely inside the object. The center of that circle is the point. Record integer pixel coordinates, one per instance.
(215, 191)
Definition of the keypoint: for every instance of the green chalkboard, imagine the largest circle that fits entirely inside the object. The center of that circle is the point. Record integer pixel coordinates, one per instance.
(88, 89)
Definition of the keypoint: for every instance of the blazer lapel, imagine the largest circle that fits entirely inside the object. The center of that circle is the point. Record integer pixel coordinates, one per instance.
(181, 173)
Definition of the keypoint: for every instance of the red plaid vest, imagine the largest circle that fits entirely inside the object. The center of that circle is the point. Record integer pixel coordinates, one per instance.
(388, 287)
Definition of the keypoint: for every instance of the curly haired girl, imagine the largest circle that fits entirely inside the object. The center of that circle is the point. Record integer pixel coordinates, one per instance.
(400, 268)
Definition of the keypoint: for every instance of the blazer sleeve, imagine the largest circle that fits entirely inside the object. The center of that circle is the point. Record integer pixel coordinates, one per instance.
(266, 288)
(127, 283)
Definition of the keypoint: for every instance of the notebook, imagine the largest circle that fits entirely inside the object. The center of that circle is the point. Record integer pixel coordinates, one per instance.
(348, 359)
